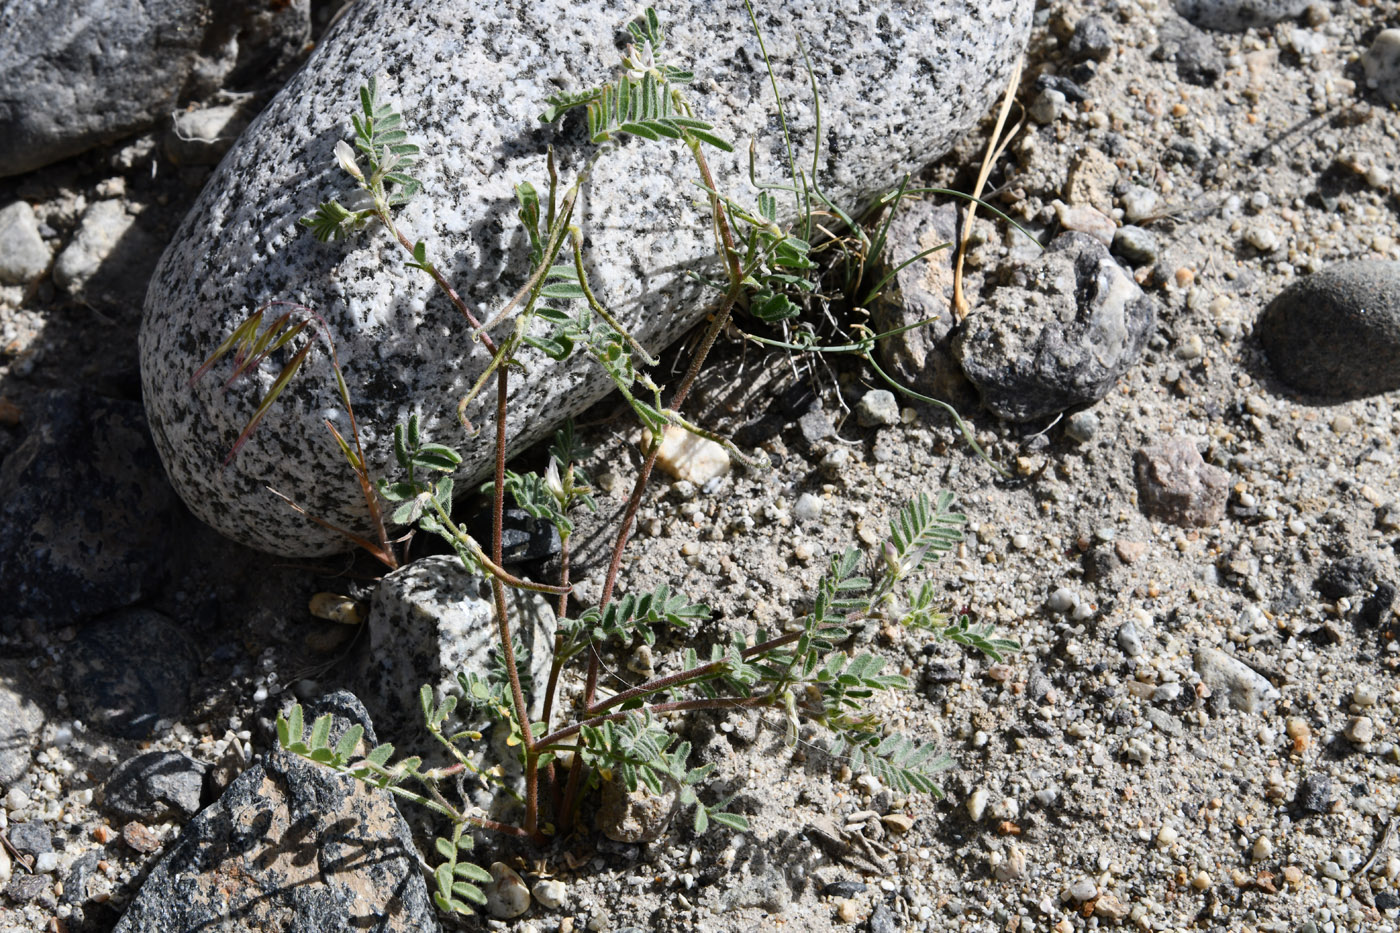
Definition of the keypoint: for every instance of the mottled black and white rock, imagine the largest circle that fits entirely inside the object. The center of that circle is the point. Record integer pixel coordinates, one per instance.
(84, 72)
(429, 621)
(1315, 793)
(1091, 39)
(1058, 333)
(153, 786)
(128, 674)
(23, 253)
(20, 721)
(1337, 332)
(291, 846)
(1238, 15)
(84, 513)
(1176, 485)
(1382, 64)
(472, 79)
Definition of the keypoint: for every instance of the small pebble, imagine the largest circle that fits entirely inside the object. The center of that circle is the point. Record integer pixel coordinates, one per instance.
(877, 408)
(1082, 426)
(1263, 848)
(808, 507)
(977, 804)
(1360, 730)
(551, 893)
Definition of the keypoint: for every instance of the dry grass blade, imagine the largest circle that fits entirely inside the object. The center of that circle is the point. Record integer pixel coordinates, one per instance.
(995, 147)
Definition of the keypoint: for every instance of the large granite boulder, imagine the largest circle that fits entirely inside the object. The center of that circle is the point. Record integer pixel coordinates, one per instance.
(900, 82)
(81, 73)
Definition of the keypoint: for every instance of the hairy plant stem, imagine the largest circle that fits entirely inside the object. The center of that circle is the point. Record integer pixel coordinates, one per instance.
(730, 256)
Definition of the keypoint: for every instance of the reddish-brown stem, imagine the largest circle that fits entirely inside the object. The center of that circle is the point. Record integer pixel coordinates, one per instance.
(494, 826)
(675, 706)
(442, 283)
(634, 502)
(498, 589)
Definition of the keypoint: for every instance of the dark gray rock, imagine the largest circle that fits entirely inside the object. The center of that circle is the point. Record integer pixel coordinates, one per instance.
(291, 847)
(1315, 793)
(20, 721)
(884, 71)
(23, 253)
(153, 786)
(86, 72)
(843, 889)
(1238, 15)
(129, 673)
(883, 920)
(1058, 333)
(1337, 332)
(1176, 485)
(1346, 577)
(1091, 39)
(1197, 59)
(85, 513)
(431, 620)
(32, 838)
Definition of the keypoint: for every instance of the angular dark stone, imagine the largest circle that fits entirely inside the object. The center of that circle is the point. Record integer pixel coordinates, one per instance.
(883, 920)
(1315, 793)
(155, 785)
(1197, 59)
(1091, 39)
(1346, 577)
(291, 846)
(844, 889)
(1069, 323)
(31, 838)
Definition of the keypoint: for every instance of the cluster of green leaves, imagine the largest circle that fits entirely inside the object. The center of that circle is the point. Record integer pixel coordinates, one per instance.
(633, 617)
(382, 140)
(645, 101)
(638, 752)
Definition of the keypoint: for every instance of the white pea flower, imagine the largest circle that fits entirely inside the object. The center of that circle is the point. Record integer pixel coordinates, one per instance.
(553, 483)
(639, 61)
(346, 156)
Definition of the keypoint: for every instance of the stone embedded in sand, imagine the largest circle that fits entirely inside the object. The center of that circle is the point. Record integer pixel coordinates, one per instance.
(1337, 332)
(1176, 485)
(471, 79)
(1059, 332)
(690, 457)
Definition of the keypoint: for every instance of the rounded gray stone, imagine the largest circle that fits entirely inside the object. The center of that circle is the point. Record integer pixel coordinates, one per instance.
(1382, 64)
(472, 80)
(1238, 15)
(1337, 332)
(155, 785)
(23, 253)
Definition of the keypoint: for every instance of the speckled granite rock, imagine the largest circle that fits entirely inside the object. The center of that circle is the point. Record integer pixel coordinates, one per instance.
(291, 847)
(1058, 333)
(471, 79)
(430, 620)
(83, 72)
(1238, 15)
(1337, 332)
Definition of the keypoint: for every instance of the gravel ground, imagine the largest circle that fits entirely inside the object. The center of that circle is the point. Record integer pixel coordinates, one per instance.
(1122, 769)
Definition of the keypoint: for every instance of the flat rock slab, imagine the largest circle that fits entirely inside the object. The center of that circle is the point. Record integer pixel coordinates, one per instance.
(899, 84)
(291, 847)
